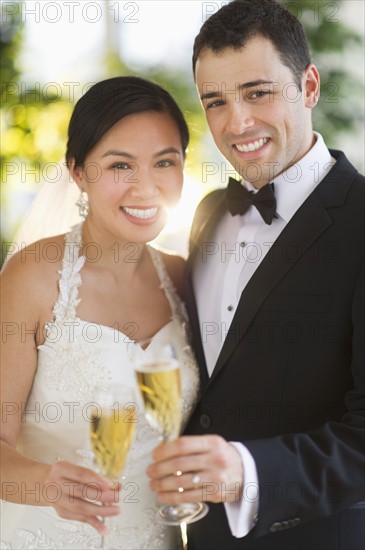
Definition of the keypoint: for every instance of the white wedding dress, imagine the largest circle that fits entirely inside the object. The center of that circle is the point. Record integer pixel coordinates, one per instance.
(76, 357)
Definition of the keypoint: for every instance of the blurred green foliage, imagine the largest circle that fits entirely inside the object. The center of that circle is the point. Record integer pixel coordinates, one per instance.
(32, 118)
(341, 105)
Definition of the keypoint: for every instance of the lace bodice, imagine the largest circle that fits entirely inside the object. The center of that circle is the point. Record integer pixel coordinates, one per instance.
(76, 357)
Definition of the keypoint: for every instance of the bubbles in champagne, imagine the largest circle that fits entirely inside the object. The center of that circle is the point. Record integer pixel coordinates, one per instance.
(160, 387)
(111, 437)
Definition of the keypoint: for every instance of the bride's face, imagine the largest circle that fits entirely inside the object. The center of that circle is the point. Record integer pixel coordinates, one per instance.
(132, 175)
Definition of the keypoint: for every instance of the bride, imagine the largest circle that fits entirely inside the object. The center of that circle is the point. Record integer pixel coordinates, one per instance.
(71, 304)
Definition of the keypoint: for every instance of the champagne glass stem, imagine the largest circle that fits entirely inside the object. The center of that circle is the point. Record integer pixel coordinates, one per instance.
(103, 537)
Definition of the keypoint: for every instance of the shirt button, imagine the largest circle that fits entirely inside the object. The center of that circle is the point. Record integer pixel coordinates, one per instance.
(242, 244)
(230, 308)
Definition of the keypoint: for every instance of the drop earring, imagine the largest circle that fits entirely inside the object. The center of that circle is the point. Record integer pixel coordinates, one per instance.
(83, 205)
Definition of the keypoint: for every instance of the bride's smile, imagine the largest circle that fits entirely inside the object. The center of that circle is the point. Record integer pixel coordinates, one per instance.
(132, 175)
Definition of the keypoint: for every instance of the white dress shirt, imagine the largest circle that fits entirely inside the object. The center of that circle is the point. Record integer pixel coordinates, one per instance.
(228, 262)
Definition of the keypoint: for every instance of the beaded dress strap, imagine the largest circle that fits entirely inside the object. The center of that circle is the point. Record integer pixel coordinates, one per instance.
(166, 284)
(70, 278)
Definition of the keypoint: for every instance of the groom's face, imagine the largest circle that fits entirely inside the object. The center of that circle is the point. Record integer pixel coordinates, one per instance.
(259, 118)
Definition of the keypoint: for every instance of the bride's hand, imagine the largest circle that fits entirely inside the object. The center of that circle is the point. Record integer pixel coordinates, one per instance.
(77, 493)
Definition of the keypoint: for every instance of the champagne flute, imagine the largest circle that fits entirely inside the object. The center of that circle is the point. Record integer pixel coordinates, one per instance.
(112, 428)
(158, 377)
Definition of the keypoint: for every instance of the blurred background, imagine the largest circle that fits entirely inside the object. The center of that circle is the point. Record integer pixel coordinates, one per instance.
(53, 51)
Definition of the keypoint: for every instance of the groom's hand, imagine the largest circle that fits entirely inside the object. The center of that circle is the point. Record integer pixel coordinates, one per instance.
(196, 468)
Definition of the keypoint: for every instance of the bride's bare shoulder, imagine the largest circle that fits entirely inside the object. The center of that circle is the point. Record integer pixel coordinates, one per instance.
(35, 262)
(29, 283)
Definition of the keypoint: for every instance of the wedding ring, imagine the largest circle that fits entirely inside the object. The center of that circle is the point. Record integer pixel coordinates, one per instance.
(196, 479)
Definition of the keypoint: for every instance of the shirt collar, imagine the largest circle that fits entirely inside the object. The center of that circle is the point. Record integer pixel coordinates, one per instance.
(293, 186)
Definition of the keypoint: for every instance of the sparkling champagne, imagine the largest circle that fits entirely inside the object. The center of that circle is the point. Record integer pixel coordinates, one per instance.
(111, 437)
(159, 384)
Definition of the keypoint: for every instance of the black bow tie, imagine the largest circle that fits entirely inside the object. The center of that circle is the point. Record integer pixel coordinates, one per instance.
(239, 199)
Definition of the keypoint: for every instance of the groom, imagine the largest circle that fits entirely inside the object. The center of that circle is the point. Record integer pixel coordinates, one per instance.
(275, 291)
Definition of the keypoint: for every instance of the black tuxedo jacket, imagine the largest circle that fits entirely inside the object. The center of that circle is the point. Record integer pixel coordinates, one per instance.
(289, 382)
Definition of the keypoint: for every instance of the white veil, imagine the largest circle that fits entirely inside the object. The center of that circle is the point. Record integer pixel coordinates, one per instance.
(52, 212)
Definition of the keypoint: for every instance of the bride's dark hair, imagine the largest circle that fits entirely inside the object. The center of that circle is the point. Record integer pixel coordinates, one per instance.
(107, 102)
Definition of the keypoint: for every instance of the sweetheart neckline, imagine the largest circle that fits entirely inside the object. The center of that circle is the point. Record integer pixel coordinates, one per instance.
(123, 333)
(126, 338)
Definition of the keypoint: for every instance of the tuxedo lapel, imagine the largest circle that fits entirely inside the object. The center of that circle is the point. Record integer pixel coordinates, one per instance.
(305, 227)
(309, 222)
